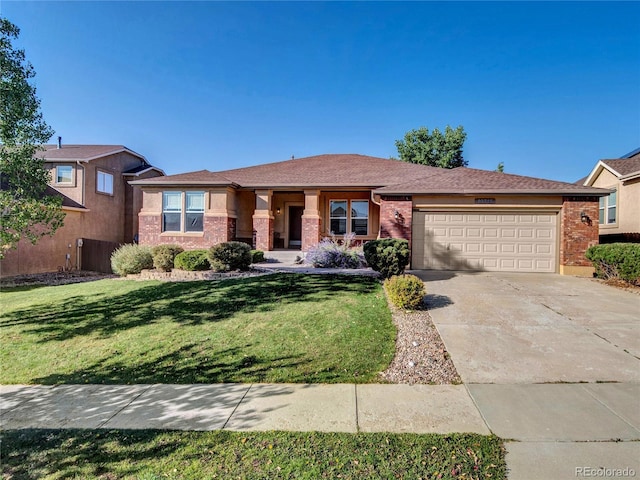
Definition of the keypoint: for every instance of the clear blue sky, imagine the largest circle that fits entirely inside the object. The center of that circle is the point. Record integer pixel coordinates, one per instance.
(547, 88)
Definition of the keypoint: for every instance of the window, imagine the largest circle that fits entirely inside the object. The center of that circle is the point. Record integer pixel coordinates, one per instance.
(104, 183)
(173, 206)
(195, 212)
(338, 217)
(360, 217)
(607, 213)
(64, 174)
(340, 214)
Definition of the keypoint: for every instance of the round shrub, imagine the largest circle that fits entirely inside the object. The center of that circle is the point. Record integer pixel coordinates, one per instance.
(257, 256)
(616, 260)
(192, 260)
(230, 256)
(164, 256)
(389, 256)
(131, 258)
(405, 291)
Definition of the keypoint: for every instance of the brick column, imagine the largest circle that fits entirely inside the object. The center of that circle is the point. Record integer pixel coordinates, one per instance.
(576, 235)
(311, 221)
(263, 221)
(396, 217)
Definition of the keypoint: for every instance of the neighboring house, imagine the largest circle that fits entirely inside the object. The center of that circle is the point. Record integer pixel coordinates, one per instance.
(454, 219)
(619, 212)
(101, 208)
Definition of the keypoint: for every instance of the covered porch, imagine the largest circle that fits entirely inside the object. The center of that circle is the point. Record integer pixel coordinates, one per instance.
(299, 219)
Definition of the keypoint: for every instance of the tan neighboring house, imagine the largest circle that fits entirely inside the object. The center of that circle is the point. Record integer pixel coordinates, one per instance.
(459, 219)
(101, 208)
(619, 212)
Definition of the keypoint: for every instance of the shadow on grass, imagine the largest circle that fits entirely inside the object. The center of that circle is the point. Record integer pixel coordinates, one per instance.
(187, 364)
(186, 303)
(33, 454)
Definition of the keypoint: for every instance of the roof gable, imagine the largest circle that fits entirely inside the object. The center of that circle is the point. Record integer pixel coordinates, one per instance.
(623, 168)
(82, 153)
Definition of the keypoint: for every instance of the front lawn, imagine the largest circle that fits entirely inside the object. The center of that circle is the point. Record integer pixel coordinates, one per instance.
(276, 328)
(154, 455)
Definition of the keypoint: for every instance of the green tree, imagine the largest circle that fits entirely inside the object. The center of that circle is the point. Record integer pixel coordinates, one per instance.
(25, 209)
(436, 149)
(500, 167)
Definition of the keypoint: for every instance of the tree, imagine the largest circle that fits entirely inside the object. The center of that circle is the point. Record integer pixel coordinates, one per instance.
(435, 149)
(500, 167)
(25, 209)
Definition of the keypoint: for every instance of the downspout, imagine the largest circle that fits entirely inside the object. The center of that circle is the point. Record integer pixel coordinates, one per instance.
(379, 210)
(83, 180)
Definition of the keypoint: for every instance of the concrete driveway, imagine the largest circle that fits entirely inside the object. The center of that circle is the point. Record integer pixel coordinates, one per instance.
(509, 328)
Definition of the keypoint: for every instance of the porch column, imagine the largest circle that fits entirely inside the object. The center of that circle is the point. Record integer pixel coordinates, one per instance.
(263, 221)
(311, 219)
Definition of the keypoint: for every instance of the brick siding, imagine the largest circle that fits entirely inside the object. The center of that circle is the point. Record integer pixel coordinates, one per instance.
(576, 236)
(215, 230)
(392, 227)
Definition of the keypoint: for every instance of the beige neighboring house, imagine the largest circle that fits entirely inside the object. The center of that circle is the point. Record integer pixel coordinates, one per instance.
(458, 219)
(101, 209)
(619, 212)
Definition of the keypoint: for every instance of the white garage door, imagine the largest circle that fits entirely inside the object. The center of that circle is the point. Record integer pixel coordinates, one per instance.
(504, 242)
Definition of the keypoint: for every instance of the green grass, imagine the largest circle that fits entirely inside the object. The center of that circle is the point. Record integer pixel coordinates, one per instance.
(276, 328)
(154, 455)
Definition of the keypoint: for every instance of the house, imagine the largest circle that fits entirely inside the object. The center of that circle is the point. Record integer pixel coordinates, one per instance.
(101, 208)
(454, 219)
(619, 212)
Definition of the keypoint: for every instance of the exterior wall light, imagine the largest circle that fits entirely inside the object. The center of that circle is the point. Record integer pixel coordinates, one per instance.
(278, 211)
(584, 218)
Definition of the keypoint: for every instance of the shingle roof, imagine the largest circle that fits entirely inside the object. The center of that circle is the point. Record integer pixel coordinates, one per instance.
(332, 170)
(464, 180)
(624, 167)
(361, 171)
(83, 153)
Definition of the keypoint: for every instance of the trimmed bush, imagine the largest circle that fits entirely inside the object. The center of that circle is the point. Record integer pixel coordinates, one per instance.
(164, 256)
(193, 260)
(229, 256)
(405, 291)
(130, 259)
(389, 256)
(331, 253)
(617, 261)
(257, 256)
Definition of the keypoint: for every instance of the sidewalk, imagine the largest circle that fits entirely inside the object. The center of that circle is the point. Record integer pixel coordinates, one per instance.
(550, 429)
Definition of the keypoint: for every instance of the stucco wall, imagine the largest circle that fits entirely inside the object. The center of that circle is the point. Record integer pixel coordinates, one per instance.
(628, 211)
(49, 254)
(105, 218)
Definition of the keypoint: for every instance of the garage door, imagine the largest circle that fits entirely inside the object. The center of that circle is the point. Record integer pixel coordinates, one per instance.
(504, 242)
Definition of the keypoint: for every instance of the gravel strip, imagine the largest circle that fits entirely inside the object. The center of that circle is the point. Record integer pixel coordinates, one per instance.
(421, 356)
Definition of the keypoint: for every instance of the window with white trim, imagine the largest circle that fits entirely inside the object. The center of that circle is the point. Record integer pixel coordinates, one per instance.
(64, 174)
(182, 211)
(349, 217)
(104, 183)
(608, 209)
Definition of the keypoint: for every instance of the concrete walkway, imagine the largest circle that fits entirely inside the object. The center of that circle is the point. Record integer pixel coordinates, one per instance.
(551, 429)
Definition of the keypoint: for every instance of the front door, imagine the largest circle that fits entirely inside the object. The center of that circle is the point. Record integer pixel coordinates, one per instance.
(295, 226)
